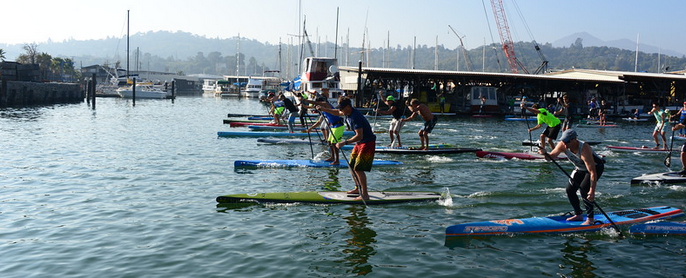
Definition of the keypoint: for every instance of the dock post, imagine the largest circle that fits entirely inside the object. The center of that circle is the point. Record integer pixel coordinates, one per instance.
(133, 90)
(95, 83)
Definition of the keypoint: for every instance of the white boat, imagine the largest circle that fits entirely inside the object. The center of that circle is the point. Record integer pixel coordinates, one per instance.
(222, 88)
(253, 88)
(208, 86)
(321, 73)
(143, 91)
(483, 100)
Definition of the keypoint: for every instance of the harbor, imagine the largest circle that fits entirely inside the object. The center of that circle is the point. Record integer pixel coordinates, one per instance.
(123, 191)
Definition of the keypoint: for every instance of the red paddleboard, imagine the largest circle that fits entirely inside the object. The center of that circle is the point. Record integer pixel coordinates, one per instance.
(506, 155)
(235, 124)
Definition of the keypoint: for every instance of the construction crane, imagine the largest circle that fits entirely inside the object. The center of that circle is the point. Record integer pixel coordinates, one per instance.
(505, 37)
(464, 51)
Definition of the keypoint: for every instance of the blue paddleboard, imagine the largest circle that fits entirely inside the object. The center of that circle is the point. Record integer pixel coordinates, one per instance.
(559, 224)
(303, 163)
(271, 134)
(659, 228)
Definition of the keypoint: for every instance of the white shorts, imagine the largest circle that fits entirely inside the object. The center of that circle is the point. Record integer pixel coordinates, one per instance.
(396, 125)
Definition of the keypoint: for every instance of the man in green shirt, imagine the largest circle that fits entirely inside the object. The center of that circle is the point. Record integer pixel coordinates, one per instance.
(549, 119)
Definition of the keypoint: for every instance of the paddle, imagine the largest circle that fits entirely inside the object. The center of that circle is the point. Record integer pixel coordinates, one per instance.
(350, 167)
(526, 119)
(594, 203)
(309, 138)
(376, 112)
(668, 159)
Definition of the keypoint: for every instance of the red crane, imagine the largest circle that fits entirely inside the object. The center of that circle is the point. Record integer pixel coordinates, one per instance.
(505, 37)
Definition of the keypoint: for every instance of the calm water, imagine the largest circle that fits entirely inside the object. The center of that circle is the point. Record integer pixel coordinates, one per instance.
(130, 192)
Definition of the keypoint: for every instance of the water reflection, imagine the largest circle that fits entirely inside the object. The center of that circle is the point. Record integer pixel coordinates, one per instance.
(332, 182)
(359, 247)
(575, 258)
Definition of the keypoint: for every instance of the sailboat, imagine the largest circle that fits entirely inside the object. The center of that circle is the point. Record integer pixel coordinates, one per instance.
(143, 89)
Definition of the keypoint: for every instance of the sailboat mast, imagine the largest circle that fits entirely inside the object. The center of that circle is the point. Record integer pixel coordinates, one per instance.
(127, 44)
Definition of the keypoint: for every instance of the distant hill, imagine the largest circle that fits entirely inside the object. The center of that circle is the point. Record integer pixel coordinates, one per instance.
(187, 53)
(590, 40)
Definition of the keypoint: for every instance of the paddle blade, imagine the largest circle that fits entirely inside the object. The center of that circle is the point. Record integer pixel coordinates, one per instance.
(668, 161)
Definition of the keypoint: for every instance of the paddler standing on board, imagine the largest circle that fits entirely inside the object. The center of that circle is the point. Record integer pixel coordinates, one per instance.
(429, 121)
(588, 167)
(662, 123)
(330, 124)
(395, 109)
(362, 156)
(549, 119)
(682, 156)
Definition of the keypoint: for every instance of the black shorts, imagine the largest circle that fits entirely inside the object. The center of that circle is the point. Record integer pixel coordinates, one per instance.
(552, 132)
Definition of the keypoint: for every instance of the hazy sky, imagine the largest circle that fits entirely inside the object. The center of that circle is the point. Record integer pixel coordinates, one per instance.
(660, 23)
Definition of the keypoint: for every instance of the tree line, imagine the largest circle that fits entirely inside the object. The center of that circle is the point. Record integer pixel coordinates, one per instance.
(237, 56)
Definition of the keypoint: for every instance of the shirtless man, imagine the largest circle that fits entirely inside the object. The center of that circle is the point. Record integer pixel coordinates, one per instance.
(429, 121)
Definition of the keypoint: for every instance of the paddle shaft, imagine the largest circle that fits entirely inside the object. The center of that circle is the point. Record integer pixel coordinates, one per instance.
(309, 138)
(526, 119)
(594, 203)
(668, 159)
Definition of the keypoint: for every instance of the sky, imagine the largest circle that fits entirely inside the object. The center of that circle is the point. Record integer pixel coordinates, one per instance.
(395, 22)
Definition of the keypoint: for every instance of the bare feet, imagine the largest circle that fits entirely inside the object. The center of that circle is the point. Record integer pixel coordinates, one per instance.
(328, 159)
(334, 163)
(354, 191)
(360, 198)
(576, 218)
(588, 221)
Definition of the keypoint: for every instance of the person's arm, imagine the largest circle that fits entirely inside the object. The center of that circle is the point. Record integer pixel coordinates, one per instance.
(387, 112)
(535, 127)
(359, 134)
(329, 110)
(587, 157)
(315, 125)
(414, 113)
(559, 148)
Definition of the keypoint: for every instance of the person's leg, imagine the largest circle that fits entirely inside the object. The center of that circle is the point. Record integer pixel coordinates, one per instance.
(572, 188)
(362, 179)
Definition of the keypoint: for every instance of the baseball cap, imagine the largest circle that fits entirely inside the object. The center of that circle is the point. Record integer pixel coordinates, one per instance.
(390, 98)
(344, 102)
(568, 135)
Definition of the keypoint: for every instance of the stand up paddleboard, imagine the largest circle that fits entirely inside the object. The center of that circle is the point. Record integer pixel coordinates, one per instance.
(596, 126)
(521, 119)
(229, 121)
(276, 128)
(666, 177)
(659, 228)
(636, 149)
(291, 141)
(635, 120)
(537, 142)
(271, 134)
(303, 163)
(428, 151)
(506, 155)
(559, 224)
(330, 197)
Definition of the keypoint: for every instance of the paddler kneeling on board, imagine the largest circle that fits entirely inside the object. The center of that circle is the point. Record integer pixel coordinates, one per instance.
(362, 155)
(549, 119)
(588, 167)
